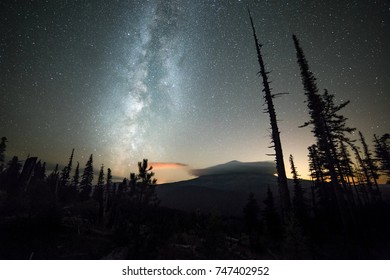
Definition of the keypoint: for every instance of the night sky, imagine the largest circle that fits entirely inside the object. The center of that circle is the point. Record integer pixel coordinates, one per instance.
(175, 81)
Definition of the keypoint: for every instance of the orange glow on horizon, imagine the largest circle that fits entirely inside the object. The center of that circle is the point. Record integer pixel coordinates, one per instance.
(168, 165)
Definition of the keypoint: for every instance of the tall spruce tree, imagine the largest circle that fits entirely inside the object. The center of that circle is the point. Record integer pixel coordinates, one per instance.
(338, 132)
(53, 180)
(280, 168)
(316, 106)
(299, 203)
(39, 173)
(12, 175)
(273, 223)
(86, 180)
(370, 164)
(347, 170)
(144, 199)
(65, 175)
(3, 146)
(76, 178)
(98, 193)
(382, 152)
(108, 190)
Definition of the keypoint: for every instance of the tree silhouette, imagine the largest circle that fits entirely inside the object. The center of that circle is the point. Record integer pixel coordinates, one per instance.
(39, 172)
(98, 193)
(347, 170)
(337, 130)
(382, 152)
(320, 129)
(12, 178)
(142, 199)
(108, 192)
(65, 174)
(86, 180)
(53, 180)
(273, 224)
(76, 178)
(280, 169)
(369, 164)
(299, 204)
(3, 146)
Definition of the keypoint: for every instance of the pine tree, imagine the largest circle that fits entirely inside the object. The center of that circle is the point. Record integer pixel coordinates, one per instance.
(86, 180)
(346, 168)
(316, 165)
(3, 146)
(273, 224)
(280, 169)
(100, 182)
(98, 193)
(39, 172)
(382, 152)
(53, 180)
(363, 167)
(65, 174)
(12, 174)
(145, 184)
(143, 199)
(108, 190)
(369, 163)
(320, 129)
(76, 178)
(299, 203)
(337, 130)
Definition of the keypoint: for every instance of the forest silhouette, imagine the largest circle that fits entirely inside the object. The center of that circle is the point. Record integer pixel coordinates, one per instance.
(343, 214)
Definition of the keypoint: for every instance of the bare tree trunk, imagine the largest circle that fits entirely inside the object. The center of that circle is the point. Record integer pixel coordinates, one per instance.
(280, 168)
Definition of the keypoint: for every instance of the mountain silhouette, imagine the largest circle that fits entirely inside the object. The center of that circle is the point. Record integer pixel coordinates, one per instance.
(222, 189)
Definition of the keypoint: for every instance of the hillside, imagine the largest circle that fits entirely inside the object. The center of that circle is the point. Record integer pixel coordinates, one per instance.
(221, 189)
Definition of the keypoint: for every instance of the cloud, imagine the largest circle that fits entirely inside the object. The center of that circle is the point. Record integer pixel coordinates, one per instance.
(235, 167)
(170, 165)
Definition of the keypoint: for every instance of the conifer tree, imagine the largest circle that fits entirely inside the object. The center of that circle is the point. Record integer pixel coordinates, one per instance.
(39, 172)
(320, 129)
(65, 175)
(53, 180)
(12, 177)
(86, 180)
(143, 199)
(98, 194)
(43, 171)
(316, 165)
(109, 177)
(363, 167)
(76, 178)
(272, 219)
(299, 203)
(382, 152)
(145, 184)
(108, 190)
(3, 146)
(369, 163)
(346, 168)
(338, 131)
(280, 168)
(100, 182)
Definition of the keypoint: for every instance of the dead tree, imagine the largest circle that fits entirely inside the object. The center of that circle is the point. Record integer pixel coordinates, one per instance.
(280, 168)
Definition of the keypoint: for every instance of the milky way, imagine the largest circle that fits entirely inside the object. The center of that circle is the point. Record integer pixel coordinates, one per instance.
(148, 87)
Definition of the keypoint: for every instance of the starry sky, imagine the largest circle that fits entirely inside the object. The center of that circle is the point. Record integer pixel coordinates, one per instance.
(175, 81)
